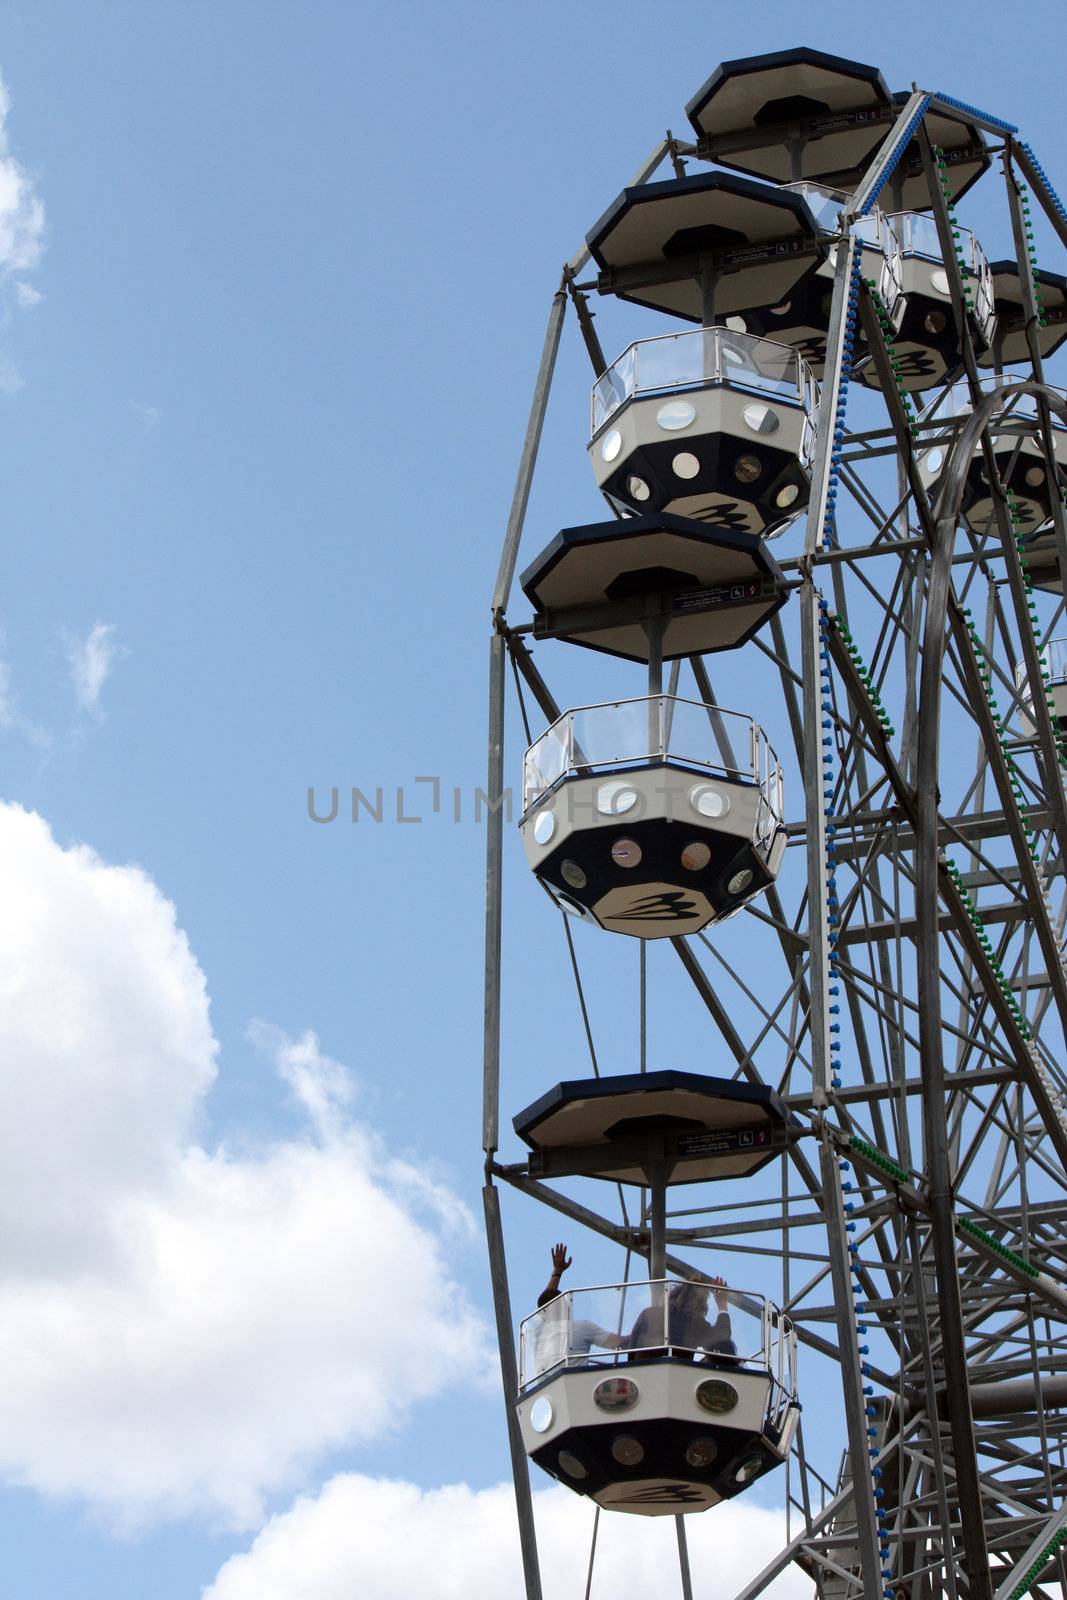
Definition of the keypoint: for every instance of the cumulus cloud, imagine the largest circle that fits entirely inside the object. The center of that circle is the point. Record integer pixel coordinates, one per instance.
(323, 1086)
(378, 1539)
(22, 228)
(186, 1329)
(91, 660)
(21, 210)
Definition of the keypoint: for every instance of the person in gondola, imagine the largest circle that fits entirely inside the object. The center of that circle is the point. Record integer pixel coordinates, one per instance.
(688, 1328)
(560, 1337)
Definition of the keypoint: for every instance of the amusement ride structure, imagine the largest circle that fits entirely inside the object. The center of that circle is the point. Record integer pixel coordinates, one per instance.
(829, 801)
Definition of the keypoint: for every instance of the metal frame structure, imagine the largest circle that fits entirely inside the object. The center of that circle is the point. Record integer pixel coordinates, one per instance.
(916, 1017)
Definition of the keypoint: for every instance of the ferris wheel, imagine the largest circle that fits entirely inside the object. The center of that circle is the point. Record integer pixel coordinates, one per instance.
(835, 541)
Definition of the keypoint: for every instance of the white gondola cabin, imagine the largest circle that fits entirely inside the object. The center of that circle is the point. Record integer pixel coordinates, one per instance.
(1009, 341)
(1021, 464)
(926, 340)
(653, 816)
(645, 1399)
(713, 425)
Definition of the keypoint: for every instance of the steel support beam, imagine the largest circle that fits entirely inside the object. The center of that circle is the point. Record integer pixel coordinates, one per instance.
(505, 1334)
(528, 459)
(936, 1155)
(1052, 1527)
(494, 869)
(889, 153)
(1025, 163)
(852, 1380)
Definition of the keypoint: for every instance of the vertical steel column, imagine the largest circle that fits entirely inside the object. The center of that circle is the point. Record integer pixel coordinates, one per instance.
(934, 1121)
(509, 1377)
(683, 1559)
(937, 1151)
(494, 868)
(494, 848)
(810, 644)
(654, 634)
(709, 283)
(835, 379)
(831, 430)
(936, 1453)
(493, 919)
(818, 887)
(528, 459)
(851, 1373)
(592, 1555)
(658, 1175)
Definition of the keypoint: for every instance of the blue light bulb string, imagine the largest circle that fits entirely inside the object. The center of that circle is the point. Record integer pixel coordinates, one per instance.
(837, 445)
(891, 166)
(830, 833)
(1043, 175)
(974, 111)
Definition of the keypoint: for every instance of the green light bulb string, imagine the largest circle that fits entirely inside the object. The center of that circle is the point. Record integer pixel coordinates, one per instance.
(895, 363)
(954, 224)
(832, 913)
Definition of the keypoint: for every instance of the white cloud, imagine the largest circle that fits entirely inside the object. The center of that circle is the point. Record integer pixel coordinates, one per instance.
(11, 379)
(21, 210)
(379, 1539)
(91, 660)
(11, 718)
(148, 415)
(8, 713)
(185, 1329)
(26, 296)
(322, 1086)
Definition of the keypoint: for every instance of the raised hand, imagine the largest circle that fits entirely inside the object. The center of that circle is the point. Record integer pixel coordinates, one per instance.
(560, 1260)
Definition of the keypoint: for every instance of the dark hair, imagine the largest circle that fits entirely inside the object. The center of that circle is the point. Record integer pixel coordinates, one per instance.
(686, 1291)
(546, 1297)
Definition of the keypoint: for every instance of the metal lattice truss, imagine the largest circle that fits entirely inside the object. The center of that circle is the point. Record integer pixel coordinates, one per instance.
(910, 1002)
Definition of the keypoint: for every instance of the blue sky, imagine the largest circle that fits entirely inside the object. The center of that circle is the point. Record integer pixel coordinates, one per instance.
(262, 430)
